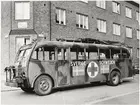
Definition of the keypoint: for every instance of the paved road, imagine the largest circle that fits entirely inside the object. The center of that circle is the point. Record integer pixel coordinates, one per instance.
(126, 93)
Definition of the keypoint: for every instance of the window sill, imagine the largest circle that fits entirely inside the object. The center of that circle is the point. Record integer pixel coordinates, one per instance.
(22, 19)
(128, 17)
(129, 37)
(101, 8)
(101, 32)
(84, 2)
(82, 28)
(116, 35)
(116, 13)
(60, 24)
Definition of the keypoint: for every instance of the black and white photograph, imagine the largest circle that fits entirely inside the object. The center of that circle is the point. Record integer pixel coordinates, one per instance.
(79, 52)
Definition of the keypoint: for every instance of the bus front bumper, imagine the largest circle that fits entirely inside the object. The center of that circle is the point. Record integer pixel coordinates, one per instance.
(12, 78)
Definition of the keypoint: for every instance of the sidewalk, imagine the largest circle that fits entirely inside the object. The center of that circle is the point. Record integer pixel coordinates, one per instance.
(6, 88)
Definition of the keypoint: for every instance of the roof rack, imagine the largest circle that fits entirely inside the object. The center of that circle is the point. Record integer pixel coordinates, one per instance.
(90, 40)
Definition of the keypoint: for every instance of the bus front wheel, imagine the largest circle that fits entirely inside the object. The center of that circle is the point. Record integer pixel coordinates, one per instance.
(43, 85)
(114, 78)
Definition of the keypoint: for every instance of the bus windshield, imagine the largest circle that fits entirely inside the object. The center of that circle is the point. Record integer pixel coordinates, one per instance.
(23, 55)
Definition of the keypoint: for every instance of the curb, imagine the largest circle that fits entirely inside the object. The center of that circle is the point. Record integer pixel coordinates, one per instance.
(9, 90)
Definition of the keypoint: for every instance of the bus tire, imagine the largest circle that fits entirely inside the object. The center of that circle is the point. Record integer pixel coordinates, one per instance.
(43, 85)
(28, 90)
(114, 78)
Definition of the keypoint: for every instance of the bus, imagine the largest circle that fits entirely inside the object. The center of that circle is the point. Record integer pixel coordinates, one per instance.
(44, 65)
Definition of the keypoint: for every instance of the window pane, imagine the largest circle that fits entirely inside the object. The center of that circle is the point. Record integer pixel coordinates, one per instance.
(116, 7)
(138, 34)
(128, 12)
(81, 21)
(57, 16)
(26, 11)
(101, 4)
(128, 32)
(101, 25)
(137, 52)
(27, 41)
(137, 16)
(60, 16)
(19, 43)
(40, 54)
(22, 10)
(116, 29)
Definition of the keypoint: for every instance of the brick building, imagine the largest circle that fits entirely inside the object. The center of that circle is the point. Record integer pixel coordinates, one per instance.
(22, 21)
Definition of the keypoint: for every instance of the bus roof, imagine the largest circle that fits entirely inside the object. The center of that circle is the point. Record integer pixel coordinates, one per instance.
(65, 44)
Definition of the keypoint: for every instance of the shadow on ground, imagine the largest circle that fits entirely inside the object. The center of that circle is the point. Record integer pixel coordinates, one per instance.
(69, 88)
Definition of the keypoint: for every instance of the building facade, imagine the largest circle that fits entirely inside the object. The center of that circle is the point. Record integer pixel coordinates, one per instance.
(24, 21)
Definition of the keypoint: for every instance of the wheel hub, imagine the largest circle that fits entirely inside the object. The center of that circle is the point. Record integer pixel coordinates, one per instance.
(115, 79)
(44, 85)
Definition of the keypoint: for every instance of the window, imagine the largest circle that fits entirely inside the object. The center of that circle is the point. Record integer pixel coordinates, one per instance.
(116, 7)
(101, 4)
(81, 21)
(86, 1)
(138, 36)
(44, 53)
(129, 32)
(77, 54)
(137, 15)
(137, 52)
(115, 54)
(21, 41)
(116, 29)
(60, 16)
(128, 12)
(22, 10)
(101, 25)
(92, 53)
(104, 54)
(62, 54)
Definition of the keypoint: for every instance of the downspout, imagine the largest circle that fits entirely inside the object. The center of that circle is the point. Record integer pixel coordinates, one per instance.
(50, 22)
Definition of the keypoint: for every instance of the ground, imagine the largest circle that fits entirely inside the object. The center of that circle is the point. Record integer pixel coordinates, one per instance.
(125, 93)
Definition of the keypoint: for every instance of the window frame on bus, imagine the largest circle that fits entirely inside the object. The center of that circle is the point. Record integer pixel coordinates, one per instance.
(78, 50)
(43, 53)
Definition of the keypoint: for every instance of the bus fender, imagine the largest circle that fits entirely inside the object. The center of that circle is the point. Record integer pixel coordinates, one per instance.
(32, 84)
(114, 69)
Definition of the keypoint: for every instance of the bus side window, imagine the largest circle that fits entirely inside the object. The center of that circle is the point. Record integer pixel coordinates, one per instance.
(73, 54)
(49, 53)
(92, 53)
(77, 54)
(62, 54)
(34, 55)
(40, 53)
(104, 54)
(81, 55)
(115, 54)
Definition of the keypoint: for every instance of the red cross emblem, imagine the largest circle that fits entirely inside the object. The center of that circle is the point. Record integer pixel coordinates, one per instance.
(92, 69)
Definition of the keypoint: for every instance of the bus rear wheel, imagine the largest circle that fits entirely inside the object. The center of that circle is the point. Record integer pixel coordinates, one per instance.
(43, 85)
(114, 78)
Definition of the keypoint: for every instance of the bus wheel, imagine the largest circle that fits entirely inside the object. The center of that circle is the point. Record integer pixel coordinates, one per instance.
(43, 85)
(114, 78)
(28, 90)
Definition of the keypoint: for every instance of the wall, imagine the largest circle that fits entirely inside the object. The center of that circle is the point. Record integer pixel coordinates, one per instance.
(5, 30)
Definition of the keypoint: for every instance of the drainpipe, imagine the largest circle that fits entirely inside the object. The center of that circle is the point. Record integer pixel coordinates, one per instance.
(50, 21)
